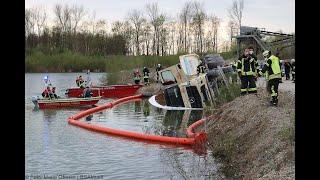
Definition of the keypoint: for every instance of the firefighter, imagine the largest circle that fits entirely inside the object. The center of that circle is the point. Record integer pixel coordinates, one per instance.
(256, 64)
(46, 92)
(201, 68)
(77, 81)
(246, 71)
(146, 75)
(287, 67)
(293, 70)
(87, 93)
(136, 76)
(158, 68)
(273, 75)
(53, 93)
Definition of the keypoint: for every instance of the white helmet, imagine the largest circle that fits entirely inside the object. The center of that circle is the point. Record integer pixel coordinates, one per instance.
(292, 60)
(281, 61)
(265, 53)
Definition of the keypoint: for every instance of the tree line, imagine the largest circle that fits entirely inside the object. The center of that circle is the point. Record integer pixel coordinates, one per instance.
(146, 31)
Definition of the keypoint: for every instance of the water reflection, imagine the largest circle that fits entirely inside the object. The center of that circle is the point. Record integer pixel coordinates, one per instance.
(49, 116)
(146, 108)
(137, 106)
(175, 123)
(198, 167)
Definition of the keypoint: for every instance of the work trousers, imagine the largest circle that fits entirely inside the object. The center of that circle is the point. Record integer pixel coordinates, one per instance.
(146, 80)
(273, 85)
(287, 76)
(248, 84)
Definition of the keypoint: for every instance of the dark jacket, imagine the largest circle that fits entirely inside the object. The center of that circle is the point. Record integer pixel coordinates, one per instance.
(246, 64)
(87, 93)
(255, 60)
(146, 72)
(287, 67)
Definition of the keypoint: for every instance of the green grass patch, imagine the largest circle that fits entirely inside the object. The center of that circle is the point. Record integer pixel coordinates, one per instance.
(227, 94)
(74, 62)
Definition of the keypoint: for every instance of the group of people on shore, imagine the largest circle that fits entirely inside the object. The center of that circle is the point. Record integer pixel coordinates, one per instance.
(248, 71)
(287, 67)
(146, 75)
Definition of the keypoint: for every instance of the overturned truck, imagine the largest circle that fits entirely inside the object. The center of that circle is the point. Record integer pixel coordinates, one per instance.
(185, 87)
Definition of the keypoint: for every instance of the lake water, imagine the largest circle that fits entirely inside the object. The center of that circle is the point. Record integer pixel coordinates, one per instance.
(55, 149)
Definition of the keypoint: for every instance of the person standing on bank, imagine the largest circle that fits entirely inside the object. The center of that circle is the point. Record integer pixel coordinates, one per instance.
(287, 68)
(293, 71)
(146, 76)
(273, 71)
(158, 68)
(256, 64)
(246, 71)
(277, 55)
(136, 76)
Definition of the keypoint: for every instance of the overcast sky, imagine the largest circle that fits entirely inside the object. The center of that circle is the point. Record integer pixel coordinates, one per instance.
(274, 15)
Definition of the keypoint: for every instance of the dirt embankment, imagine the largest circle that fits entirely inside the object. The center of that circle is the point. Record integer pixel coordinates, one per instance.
(254, 140)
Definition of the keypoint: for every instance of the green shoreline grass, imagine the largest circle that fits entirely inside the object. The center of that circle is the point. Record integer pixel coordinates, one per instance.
(39, 62)
(73, 62)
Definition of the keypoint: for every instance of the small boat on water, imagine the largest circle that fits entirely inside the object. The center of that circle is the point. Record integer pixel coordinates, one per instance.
(112, 91)
(64, 102)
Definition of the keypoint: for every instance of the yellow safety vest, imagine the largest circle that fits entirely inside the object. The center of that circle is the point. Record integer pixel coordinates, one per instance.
(275, 67)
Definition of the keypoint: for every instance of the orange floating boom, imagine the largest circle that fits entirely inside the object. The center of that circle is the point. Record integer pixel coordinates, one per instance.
(193, 138)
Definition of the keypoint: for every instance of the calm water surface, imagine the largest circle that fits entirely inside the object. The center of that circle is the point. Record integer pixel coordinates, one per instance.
(54, 149)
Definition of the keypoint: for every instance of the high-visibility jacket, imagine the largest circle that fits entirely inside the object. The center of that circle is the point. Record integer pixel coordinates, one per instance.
(246, 65)
(272, 68)
(45, 93)
(136, 78)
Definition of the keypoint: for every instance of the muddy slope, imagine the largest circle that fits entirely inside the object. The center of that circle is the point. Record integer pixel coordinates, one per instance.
(254, 140)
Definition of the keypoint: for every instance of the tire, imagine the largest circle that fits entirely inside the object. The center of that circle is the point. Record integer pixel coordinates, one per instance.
(213, 60)
(227, 69)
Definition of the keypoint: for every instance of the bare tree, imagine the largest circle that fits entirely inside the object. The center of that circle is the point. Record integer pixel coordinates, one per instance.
(146, 36)
(63, 15)
(76, 15)
(198, 19)
(185, 16)
(171, 27)
(29, 22)
(214, 22)
(153, 13)
(101, 26)
(40, 17)
(93, 22)
(161, 38)
(116, 27)
(233, 29)
(235, 12)
(125, 30)
(137, 19)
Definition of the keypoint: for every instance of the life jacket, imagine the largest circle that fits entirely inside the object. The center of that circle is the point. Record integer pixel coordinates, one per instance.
(136, 78)
(45, 93)
(136, 75)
